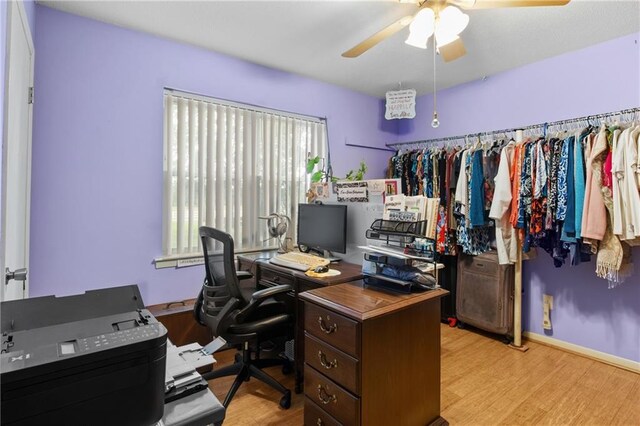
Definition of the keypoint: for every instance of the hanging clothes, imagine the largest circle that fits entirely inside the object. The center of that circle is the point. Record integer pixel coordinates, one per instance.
(613, 260)
(476, 191)
(506, 241)
(572, 195)
(633, 185)
(594, 220)
(626, 195)
(580, 180)
(569, 228)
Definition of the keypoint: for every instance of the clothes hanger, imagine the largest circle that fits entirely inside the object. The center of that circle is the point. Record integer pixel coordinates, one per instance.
(563, 130)
(478, 144)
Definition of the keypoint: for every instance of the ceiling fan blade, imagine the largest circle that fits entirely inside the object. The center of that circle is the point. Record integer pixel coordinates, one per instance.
(492, 4)
(378, 37)
(452, 51)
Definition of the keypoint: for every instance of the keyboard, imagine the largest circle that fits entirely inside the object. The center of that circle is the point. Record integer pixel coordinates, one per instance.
(299, 261)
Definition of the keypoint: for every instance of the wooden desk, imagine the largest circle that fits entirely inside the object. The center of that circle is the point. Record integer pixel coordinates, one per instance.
(268, 275)
(373, 357)
(181, 326)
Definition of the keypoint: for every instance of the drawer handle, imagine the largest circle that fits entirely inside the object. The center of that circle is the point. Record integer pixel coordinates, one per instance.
(326, 364)
(319, 422)
(480, 265)
(325, 397)
(323, 327)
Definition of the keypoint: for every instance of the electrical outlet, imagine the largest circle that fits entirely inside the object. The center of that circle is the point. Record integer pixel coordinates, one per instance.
(547, 303)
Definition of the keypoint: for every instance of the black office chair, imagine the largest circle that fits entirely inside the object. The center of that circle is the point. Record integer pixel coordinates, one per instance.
(244, 321)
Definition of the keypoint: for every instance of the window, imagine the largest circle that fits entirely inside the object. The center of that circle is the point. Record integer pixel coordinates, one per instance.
(226, 164)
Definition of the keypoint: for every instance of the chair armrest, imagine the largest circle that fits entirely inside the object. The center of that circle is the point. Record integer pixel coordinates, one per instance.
(260, 296)
(243, 275)
(270, 292)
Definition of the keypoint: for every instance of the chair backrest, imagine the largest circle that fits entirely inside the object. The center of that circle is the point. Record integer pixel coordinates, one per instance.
(221, 282)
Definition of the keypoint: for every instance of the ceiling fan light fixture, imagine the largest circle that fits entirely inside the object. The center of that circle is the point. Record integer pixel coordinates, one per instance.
(452, 20)
(421, 28)
(442, 38)
(417, 40)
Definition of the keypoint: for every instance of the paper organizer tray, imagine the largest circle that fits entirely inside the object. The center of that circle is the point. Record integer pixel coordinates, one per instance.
(387, 259)
(393, 284)
(410, 229)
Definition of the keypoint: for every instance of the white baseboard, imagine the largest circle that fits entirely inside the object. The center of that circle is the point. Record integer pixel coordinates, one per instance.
(616, 361)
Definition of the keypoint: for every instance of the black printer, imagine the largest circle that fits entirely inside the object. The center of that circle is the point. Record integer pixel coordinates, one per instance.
(92, 359)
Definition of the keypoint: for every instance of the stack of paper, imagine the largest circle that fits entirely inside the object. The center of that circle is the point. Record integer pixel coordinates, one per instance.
(392, 205)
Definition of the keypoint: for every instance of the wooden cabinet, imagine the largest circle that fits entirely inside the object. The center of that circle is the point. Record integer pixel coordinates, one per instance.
(371, 357)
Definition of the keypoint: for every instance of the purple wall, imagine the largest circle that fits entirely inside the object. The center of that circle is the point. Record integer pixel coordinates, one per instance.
(97, 147)
(575, 84)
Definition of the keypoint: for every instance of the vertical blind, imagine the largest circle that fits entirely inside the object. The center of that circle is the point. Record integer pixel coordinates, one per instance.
(227, 164)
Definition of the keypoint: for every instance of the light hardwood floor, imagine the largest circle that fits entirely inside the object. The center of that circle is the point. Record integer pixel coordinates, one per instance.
(483, 383)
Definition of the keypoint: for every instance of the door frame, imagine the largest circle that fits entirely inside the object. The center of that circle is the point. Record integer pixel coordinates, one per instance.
(24, 22)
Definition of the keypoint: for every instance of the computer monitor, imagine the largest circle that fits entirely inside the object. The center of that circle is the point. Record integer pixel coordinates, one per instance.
(323, 227)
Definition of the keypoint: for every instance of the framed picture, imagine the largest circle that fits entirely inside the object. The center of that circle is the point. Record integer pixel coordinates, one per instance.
(321, 189)
(376, 186)
(391, 187)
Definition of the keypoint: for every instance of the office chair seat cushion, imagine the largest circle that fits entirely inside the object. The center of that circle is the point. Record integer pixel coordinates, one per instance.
(262, 325)
(268, 308)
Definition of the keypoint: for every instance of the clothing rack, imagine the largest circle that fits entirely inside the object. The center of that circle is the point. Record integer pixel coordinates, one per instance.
(519, 134)
(597, 119)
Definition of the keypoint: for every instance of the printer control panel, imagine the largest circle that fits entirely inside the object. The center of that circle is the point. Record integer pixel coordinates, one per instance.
(115, 338)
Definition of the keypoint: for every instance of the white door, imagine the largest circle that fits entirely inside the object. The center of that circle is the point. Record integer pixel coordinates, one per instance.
(16, 155)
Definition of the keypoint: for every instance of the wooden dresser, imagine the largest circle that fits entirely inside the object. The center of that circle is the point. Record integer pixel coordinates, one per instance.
(371, 357)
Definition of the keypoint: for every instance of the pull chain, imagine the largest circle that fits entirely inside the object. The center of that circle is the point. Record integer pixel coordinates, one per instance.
(435, 122)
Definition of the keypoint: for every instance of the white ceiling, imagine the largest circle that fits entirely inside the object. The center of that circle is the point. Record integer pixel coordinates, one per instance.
(308, 37)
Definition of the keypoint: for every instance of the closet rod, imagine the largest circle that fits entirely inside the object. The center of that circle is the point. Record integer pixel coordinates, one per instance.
(586, 118)
(369, 147)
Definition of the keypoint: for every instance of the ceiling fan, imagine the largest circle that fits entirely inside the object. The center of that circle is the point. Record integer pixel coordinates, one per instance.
(442, 19)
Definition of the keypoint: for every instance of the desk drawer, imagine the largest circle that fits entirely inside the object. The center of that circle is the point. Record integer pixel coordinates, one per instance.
(331, 398)
(316, 416)
(335, 364)
(273, 277)
(332, 328)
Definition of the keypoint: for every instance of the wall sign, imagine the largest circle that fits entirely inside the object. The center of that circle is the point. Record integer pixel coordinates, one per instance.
(353, 191)
(401, 104)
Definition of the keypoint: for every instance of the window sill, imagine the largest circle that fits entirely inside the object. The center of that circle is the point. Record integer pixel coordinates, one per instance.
(186, 260)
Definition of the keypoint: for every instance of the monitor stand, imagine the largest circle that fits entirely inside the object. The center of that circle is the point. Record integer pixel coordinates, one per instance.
(325, 254)
(330, 257)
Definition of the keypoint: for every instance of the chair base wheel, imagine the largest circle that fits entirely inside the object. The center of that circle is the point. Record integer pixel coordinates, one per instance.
(285, 401)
